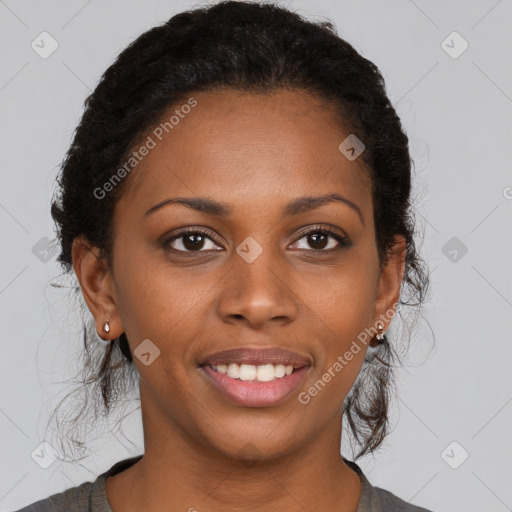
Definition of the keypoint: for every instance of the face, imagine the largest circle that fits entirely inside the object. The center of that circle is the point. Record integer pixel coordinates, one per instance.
(241, 260)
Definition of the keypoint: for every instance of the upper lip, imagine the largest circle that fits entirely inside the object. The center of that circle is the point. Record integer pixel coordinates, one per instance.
(257, 357)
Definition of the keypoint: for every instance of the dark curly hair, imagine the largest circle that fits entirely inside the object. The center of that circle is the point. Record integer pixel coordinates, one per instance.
(246, 46)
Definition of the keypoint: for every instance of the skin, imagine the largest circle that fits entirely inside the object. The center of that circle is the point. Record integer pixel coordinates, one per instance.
(255, 153)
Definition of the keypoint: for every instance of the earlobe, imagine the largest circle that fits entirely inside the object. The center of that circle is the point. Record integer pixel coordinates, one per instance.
(97, 287)
(390, 282)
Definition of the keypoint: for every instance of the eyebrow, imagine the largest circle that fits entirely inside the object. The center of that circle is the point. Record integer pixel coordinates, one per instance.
(295, 207)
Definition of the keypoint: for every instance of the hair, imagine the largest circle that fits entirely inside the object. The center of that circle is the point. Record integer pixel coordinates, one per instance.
(257, 48)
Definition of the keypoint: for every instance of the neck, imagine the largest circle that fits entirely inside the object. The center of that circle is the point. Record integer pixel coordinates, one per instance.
(176, 469)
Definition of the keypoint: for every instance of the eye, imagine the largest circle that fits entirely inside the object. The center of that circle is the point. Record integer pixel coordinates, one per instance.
(319, 238)
(322, 239)
(192, 240)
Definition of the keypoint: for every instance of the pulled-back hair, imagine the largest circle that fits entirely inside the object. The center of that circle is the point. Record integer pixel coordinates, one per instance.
(260, 48)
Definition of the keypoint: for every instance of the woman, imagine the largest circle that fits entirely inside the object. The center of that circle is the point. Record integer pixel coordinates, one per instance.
(236, 208)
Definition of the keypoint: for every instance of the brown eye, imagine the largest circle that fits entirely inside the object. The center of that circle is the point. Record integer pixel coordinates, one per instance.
(191, 241)
(323, 240)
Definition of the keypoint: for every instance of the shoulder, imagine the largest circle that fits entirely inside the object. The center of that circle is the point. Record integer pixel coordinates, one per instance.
(75, 499)
(376, 499)
(392, 503)
(86, 497)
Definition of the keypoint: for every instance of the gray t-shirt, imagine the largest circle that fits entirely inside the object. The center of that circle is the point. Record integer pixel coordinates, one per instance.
(91, 496)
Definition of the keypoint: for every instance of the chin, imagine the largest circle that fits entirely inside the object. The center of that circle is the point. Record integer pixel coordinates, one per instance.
(253, 444)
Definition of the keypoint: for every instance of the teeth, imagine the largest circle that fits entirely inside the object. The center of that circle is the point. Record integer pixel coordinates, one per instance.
(250, 372)
(247, 372)
(222, 368)
(233, 371)
(265, 373)
(280, 370)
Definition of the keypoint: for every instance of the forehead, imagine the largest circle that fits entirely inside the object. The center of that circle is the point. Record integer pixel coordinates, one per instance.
(233, 144)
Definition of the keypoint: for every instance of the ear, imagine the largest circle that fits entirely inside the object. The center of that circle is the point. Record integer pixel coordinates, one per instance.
(97, 286)
(390, 282)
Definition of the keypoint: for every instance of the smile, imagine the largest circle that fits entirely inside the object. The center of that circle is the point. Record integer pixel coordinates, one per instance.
(251, 372)
(256, 378)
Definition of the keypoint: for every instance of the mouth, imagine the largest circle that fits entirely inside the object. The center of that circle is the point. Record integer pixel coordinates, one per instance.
(252, 372)
(256, 377)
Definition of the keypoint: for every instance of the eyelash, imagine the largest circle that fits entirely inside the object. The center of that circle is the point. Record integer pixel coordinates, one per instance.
(326, 230)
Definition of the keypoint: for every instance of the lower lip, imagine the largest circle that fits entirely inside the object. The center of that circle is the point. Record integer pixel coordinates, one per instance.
(256, 393)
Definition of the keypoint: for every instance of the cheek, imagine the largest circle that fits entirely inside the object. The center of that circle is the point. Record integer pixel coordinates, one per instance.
(144, 298)
(161, 303)
(341, 309)
(341, 300)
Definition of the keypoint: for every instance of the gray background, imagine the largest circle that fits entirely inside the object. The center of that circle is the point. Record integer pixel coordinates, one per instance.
(457, 112)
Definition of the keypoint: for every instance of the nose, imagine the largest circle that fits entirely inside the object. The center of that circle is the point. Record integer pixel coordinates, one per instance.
(258, 293)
